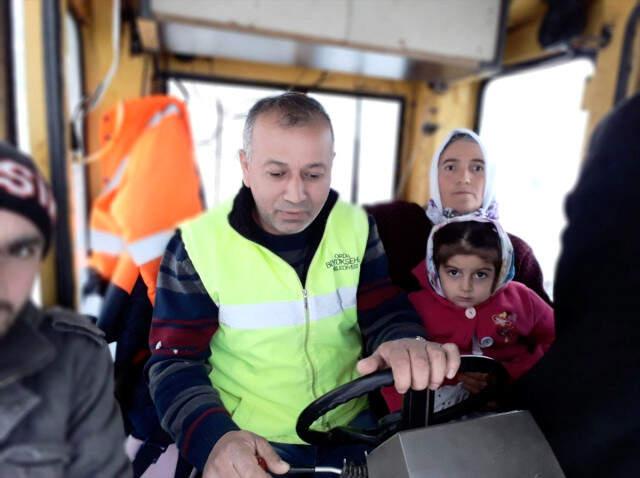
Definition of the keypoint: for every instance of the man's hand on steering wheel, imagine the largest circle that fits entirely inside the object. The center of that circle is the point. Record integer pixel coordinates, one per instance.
(415, 363)
(236, 454)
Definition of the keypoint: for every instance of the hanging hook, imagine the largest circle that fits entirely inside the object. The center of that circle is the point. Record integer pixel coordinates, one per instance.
(183, 90)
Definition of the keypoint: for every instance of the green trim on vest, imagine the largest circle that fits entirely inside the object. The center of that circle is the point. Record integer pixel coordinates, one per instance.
(280, 345)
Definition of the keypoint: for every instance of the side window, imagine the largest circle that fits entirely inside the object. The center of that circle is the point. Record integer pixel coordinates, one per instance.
(533, 125)
(366, 131)
(19, 74)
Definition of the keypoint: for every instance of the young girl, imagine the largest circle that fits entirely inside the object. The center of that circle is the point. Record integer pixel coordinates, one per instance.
(467, 298)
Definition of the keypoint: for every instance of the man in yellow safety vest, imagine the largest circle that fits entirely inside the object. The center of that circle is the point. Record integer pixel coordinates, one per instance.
(269, 301)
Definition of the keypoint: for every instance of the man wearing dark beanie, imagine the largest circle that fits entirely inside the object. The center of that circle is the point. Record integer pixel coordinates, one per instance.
(58, 415)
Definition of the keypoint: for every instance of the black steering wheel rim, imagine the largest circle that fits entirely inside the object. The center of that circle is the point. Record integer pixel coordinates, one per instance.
(369, 383)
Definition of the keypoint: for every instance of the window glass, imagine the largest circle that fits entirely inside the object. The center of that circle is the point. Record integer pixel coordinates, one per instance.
(366, 136)
(533, 125)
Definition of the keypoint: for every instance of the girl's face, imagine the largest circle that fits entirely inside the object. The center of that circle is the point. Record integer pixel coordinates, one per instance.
(461, 176)
(467, 280)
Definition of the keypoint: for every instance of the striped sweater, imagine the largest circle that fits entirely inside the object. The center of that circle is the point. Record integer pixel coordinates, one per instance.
(185, 319)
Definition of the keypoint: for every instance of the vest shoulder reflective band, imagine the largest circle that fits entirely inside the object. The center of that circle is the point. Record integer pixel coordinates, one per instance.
(281, 344)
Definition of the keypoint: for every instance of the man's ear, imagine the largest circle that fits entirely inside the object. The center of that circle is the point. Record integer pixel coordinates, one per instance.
(244, 164)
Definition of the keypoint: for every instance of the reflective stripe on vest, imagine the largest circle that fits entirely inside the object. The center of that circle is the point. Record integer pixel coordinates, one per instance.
(280, 344)
(280, 314)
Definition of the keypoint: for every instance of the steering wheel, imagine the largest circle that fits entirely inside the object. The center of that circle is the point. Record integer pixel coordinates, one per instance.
(417, 409)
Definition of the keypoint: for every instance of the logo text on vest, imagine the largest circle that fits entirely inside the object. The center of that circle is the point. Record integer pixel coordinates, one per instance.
(343, 262)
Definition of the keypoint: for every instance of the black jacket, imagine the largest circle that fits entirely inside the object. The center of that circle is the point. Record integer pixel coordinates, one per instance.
(585, 393)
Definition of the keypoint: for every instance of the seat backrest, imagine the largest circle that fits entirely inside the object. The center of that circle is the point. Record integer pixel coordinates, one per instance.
(404, 229)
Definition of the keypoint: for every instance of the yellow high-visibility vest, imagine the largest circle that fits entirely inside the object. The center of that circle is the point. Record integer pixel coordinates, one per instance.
(281, 344)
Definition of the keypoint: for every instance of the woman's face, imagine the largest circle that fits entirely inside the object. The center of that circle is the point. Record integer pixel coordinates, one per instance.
(461, 176)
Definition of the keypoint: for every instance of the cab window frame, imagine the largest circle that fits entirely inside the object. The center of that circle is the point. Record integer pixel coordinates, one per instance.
(164, 76)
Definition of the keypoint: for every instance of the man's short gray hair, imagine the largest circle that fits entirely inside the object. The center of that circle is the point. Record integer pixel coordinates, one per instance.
(293, 109)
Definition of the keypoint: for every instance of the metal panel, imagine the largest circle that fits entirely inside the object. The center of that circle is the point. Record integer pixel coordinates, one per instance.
(417, 39)
(497, 446)
(326, 19)
(464, 29)
(203, 41)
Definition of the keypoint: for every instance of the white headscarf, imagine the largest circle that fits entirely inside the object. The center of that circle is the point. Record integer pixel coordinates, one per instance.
(507, 270)
(489, 207)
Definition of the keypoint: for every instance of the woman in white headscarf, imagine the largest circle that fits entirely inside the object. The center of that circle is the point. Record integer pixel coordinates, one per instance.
(462, 181)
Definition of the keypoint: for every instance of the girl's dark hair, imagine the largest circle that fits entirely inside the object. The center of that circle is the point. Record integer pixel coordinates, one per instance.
(468, 238)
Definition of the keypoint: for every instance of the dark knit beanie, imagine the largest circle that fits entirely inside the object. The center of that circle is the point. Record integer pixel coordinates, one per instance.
(24, 190)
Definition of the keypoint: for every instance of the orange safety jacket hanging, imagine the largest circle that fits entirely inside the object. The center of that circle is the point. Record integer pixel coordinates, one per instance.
(150, 183)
